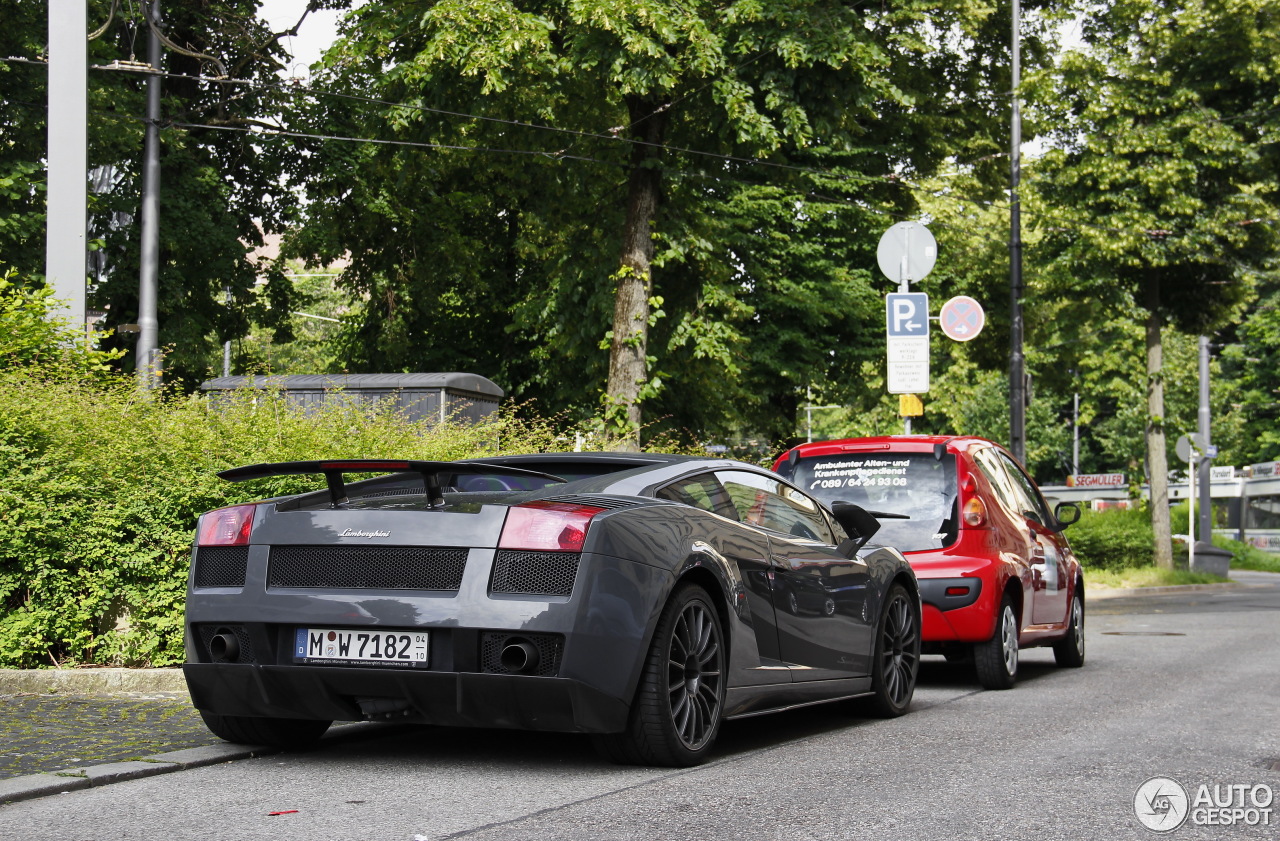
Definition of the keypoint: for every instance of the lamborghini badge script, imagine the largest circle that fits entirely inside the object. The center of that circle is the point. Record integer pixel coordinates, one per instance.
(363, 533)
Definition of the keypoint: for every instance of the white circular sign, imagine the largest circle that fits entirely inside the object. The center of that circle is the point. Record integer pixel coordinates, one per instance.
(1161, 804)
(907, 252)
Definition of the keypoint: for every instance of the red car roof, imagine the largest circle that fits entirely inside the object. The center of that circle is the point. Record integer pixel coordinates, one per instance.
(900, 443)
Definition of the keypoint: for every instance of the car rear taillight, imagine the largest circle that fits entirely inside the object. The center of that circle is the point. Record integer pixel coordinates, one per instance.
(226, 526)
(547, 526)
(973, 512)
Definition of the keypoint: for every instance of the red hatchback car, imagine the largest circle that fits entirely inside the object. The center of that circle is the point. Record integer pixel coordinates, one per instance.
(995, 572)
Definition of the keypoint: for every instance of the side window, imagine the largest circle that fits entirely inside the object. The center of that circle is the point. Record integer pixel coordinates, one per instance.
(702, 491)
(768, 503)
(990, 466)
(1031, 505)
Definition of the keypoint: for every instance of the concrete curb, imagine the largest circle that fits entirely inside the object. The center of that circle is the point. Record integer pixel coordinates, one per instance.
(1117, 592)
(90, 681)
(31, 786)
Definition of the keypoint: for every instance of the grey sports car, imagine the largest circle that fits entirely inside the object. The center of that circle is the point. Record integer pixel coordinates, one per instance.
(639, 598)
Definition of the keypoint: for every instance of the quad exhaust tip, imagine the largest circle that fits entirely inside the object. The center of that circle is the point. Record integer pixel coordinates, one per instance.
(519, 657)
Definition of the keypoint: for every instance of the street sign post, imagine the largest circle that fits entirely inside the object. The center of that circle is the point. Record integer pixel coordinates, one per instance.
(907, 342)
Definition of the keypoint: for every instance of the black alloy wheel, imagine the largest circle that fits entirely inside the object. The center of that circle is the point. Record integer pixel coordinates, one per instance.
(1069, 651)
(897, 654)
(679, 703)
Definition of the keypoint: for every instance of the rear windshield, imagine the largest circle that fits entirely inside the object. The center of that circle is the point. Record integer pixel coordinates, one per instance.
(915, 484)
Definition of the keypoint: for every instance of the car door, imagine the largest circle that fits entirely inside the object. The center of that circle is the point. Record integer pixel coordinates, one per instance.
(820, 596)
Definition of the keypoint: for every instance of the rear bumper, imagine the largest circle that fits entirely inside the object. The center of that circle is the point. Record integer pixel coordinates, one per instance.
(960, 617)
(447, 698)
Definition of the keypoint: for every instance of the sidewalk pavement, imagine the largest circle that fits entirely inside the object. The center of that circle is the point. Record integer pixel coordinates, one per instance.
(54, 742)
(67, 729)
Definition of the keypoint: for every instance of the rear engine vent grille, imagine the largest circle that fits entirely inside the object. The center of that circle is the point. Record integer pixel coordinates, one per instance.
(220, 566)
(549, 647)
(245, 653)
(598, 501)
(367, 567)
(534, 573)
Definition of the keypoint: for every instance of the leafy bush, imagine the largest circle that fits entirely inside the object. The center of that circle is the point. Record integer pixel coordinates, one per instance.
(1116, 539)
(1244, 556)
(100, 489)
(29, 335)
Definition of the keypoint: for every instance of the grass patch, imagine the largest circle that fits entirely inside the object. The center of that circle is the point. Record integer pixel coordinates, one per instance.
(1244, 556)
(1148, 576)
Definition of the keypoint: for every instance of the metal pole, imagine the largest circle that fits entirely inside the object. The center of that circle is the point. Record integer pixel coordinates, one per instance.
(1017, 365)
(1206, 506)
(1075, 436)
(66, 209)
(808, 414)
(226, 346)
(1191, 510)
(148, 363)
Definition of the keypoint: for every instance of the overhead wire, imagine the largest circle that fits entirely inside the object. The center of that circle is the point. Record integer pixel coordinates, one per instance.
(101, 30)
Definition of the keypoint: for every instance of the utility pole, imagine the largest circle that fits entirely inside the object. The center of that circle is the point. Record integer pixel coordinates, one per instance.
(66, 209)
(1017, 364)
(147, 354)
(1206, 557)
(1202, 426)
(1075, 434)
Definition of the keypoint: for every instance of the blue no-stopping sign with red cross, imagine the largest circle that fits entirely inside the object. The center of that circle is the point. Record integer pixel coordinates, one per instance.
(961, 318)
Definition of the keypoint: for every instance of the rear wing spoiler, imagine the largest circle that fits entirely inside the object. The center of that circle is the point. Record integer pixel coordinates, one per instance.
(333, 470)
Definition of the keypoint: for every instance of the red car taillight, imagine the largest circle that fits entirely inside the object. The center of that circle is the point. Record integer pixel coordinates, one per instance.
(547, 526)
(974, 512)
(226, 526)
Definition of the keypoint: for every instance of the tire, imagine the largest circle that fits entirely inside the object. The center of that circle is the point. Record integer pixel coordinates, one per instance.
(996, 660)
(679, 703)
(286, 733)
(1069, 651)
(896, 658)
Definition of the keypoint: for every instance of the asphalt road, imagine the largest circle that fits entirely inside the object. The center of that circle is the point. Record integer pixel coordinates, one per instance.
(1185, 686)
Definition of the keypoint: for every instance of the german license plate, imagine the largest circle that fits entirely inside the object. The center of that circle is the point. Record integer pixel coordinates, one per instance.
(362, 647)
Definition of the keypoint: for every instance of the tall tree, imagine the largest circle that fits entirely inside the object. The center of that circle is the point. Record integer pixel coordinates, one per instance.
(1152, 194)
(608, 190)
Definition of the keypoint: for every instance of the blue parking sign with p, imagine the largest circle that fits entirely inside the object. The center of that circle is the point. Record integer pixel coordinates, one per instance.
(907, 314)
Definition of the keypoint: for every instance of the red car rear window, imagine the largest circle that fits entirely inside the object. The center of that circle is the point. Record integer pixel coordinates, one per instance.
(915, 484)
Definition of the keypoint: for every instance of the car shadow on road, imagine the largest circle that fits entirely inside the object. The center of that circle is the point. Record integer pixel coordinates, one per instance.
(533, 751)
(937, 673)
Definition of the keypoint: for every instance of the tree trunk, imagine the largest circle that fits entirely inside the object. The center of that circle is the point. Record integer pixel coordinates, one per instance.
(629, 347)
(1157, 457)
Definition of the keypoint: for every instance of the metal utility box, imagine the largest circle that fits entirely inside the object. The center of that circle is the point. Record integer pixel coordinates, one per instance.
(453, 395)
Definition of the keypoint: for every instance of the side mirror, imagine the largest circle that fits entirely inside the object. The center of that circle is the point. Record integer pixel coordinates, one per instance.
(857, 522)
(1065, 513)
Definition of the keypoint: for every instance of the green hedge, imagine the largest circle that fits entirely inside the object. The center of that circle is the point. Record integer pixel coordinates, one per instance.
(100, 490)
(1116, 539)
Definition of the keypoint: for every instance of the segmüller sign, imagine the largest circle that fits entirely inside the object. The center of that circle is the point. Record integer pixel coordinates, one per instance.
(1097, 480)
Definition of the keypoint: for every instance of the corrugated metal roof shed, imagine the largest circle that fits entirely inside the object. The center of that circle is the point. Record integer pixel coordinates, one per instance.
(453, 394)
